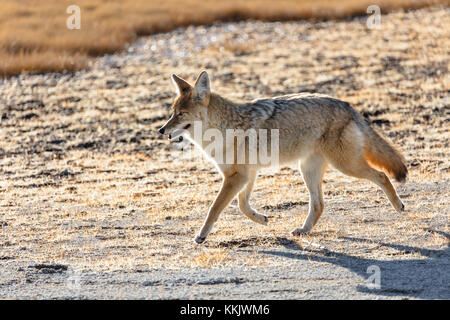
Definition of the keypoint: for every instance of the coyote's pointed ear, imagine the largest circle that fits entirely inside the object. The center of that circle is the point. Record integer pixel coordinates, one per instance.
(202, 88)
(180, 84)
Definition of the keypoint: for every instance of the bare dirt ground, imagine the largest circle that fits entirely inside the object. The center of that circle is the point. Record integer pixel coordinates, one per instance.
(95, 204)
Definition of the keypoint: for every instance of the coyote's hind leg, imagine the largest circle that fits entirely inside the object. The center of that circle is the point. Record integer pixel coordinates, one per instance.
(351, 162)
(361, 169)
(312, 170)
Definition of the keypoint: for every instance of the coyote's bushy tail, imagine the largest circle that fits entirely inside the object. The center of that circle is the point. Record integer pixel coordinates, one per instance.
(380, 153)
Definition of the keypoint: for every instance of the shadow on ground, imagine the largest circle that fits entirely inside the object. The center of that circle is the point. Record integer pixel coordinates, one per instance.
(427, 278)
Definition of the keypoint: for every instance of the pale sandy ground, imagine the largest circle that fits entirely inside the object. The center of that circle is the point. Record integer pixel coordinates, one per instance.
(95, 204)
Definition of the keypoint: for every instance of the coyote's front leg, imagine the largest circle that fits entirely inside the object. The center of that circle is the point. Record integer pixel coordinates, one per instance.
(232, 184)
(244, 204)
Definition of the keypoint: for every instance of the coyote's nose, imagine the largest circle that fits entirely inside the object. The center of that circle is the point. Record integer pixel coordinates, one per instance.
(161, 130)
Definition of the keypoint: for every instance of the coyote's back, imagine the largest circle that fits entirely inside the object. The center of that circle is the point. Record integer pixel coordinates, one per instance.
(309, 122)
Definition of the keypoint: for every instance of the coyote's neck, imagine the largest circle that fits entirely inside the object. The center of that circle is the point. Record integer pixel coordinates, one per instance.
(221, 109)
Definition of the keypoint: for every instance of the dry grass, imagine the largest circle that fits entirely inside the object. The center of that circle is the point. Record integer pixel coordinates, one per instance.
(88, 182)
(34, 37)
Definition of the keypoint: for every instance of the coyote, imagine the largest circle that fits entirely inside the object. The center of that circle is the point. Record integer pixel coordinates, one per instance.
(314, 129)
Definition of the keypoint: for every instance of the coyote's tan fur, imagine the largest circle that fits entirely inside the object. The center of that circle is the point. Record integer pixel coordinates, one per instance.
(313, 129)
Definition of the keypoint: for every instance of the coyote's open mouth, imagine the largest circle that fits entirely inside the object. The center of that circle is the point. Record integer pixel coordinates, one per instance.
(176, 136)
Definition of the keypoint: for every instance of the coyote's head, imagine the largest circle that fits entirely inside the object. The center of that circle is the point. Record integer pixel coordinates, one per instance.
(189, 106)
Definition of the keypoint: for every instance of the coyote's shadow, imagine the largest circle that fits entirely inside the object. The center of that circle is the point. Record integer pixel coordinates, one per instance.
(427, 278)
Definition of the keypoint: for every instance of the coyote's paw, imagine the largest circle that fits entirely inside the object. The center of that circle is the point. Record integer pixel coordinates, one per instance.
(260, 218)
(299, 231)
(199, 239)
(256, 217)
(400, 207)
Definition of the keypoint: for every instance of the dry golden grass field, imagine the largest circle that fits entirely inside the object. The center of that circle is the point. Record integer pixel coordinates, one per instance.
(89, 187)
(34, 36)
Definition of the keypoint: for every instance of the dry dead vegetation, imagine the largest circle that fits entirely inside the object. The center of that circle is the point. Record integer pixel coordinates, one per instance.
(34, 36)
(88, 183)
